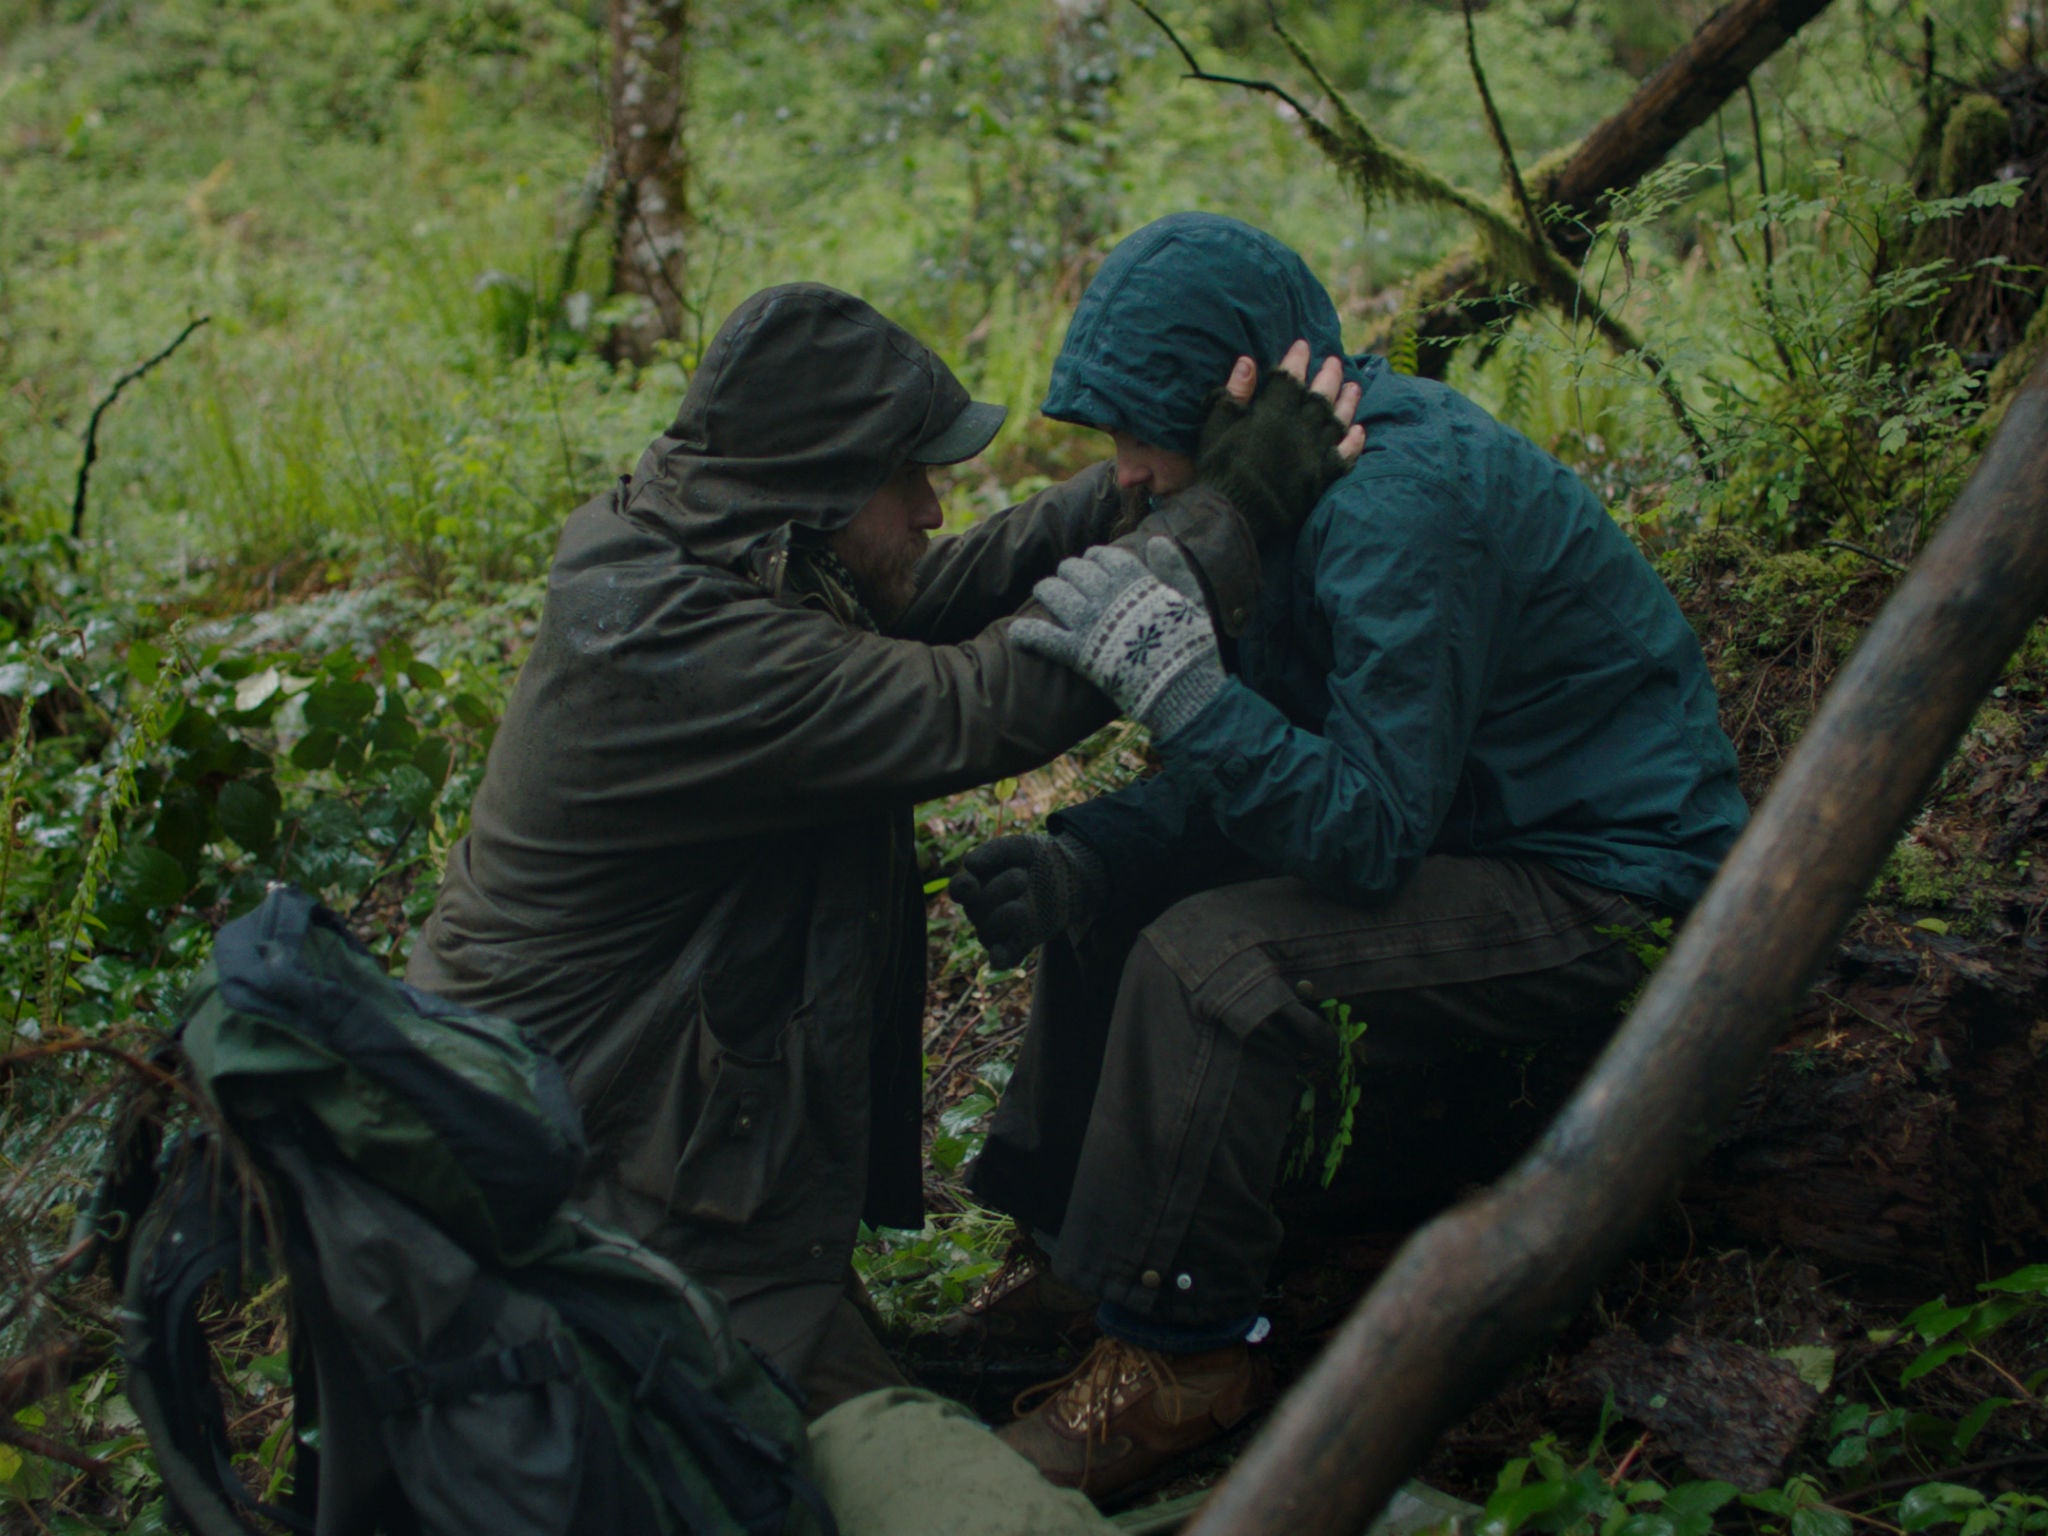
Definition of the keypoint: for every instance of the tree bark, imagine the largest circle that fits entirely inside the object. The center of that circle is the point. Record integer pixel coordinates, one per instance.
(1455, 300)
(1481, 1285)
(650, 171)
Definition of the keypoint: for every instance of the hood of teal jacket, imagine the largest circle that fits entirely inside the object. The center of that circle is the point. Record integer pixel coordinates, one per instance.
(1173, 306)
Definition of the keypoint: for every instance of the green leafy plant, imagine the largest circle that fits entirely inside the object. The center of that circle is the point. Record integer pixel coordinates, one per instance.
(1344, 1091)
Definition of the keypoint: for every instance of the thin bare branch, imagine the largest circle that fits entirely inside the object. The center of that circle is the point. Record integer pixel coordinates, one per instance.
(1510, 171)
(1196, 72)
(92, 427)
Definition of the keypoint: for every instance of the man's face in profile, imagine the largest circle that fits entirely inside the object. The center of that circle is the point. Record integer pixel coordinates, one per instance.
(1144, 471)
(886, 539)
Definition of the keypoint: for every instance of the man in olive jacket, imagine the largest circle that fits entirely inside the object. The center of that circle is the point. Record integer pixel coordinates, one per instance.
(691, 869)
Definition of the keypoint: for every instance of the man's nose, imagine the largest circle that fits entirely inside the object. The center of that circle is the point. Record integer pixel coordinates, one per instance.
(1131, 474)
(928, 513)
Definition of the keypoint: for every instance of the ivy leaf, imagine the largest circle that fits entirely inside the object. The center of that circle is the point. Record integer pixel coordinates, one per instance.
(470, 710)
(421, 675)
(149, 876)
(145, 661)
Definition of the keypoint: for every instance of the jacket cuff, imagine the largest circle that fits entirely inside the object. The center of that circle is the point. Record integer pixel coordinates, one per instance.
(1218, 543)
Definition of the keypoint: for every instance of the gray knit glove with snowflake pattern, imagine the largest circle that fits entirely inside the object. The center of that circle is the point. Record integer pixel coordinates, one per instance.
(1138, 630)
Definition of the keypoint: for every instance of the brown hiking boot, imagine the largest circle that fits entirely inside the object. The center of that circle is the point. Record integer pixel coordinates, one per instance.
(1125, 1412)
(1022, 1306)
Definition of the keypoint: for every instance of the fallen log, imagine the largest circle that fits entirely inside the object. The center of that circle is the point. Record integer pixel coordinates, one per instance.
(1900, 1133)
(1459, 298)
(1484, 1283)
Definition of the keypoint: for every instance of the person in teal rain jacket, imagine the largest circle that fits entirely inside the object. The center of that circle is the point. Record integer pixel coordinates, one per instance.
(1462, 754)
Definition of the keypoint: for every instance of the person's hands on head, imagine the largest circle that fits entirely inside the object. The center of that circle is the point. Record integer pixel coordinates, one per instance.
(1273, 445)
(1137, 629)
(1020, 891)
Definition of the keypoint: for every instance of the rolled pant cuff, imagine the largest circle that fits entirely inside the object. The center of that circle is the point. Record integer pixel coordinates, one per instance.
(1168, 1338)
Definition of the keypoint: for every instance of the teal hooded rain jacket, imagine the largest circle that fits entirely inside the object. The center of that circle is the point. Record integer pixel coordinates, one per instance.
(1461, 653)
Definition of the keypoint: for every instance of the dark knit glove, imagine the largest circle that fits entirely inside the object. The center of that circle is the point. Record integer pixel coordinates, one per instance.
(1020, 891)
(1138, 630)
(1273, 457)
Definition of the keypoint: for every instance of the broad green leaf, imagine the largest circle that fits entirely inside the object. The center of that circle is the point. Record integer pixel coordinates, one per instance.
(1702, 1498)
(316, 748)
(1995, 1312)
(433, 756)
(394, 733)
(1935, 1503)
(421, 675)
(1511, 1509)
(145, 661)
(2033, 1280)
(257, 688)
(1850, 1451)
(149, 876)
(1974, 1421)
(1935, 1319)
(339, 703)
(413, 790)
(470, 710)
(1819, 1520)
(1932, 925)
(1933, 1359)
(1815, 1363)
(247, 816)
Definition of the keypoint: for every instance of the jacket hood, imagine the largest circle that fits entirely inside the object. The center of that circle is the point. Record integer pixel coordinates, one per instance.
(805, 402)
(1173, 306)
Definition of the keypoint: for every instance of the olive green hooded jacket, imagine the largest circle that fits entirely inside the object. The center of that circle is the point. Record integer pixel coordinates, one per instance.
(691, 870)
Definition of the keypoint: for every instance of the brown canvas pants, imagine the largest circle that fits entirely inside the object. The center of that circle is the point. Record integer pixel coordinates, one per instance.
(1166, 1056)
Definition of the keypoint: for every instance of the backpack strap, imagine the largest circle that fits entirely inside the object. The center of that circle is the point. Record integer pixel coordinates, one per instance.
(501, 1370)
(170, 1380)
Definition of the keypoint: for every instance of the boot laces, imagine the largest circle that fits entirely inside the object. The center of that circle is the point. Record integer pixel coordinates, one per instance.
(1111, 1376)
(1023, 1262)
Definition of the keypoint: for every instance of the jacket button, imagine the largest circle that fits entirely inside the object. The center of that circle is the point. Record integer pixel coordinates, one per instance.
(817, 1250)
(1235, 618)
(1305, 990)
(1149, 1279)
(1184, 1282)
(1234, 769)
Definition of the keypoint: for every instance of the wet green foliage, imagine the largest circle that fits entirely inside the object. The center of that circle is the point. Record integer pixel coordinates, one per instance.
(312, 545)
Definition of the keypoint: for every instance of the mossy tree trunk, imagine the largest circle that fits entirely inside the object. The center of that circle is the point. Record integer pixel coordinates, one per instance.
(650, 169)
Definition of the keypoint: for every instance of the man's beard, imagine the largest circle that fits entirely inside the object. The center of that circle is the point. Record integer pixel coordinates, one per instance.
(884, 574)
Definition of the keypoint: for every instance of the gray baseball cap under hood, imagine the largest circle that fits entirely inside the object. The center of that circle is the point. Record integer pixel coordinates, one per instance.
(805, 402)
